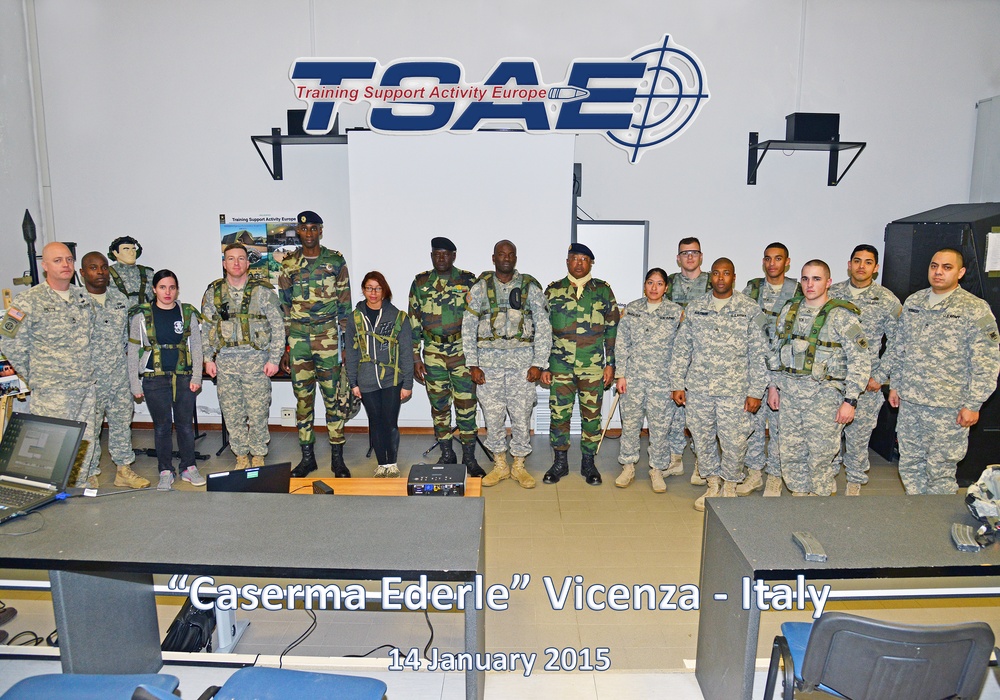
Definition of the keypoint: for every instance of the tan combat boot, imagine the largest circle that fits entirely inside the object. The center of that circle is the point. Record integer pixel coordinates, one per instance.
(752, 483)
(696, 479)
(853, 489)
(729, 489)
(802, 493)
(499, 472)
(656, 480)
(127, 478)
(625, 478)
(773, 488)
(520, 474)
(714, 489)
(676, 467)
(242, 461)
(256, 460)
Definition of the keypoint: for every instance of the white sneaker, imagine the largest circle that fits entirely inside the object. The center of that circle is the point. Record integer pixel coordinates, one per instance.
(193, 476)
(166, 481)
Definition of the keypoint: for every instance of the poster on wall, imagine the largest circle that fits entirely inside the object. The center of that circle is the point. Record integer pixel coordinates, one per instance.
(10, 383)
(268, 239)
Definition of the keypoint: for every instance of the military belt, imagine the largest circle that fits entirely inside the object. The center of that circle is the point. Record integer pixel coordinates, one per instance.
(311, 323)
(442, 339)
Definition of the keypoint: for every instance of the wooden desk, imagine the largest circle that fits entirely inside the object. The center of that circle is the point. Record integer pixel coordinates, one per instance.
(372, 487)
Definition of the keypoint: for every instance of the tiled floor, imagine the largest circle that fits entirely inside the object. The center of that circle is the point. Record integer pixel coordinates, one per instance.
(603, 534)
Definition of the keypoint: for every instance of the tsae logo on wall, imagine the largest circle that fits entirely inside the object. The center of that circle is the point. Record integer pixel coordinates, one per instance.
(642, 101)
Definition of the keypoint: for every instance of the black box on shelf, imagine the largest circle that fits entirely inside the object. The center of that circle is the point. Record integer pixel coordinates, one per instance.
(812, 126)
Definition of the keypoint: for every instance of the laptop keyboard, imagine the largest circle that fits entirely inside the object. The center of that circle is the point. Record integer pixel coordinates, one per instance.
(16, 498)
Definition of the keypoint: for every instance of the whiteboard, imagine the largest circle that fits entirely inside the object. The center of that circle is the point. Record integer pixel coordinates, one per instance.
(621, 254)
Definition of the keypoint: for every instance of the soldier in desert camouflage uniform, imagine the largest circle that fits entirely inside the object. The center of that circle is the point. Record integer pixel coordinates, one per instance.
(244, 340)
(879, 311)
(820, 364)
(507, 338)
(130, 278)
(437, 301)
(114, 398)
(943, 365)
(644, 344)
(584, 317)
(771, 292)
(718, 369)
(47, 337)
(315, 293)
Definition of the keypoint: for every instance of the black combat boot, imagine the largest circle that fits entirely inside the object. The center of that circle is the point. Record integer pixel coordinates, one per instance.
(447, 452)
(589, 470)
(340, 469)
(469, 460)
(559, 468)
(308, 463)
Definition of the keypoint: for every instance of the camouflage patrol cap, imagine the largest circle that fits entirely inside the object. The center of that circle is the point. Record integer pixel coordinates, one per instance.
(309, 217)
(442, 243)
(581, 249)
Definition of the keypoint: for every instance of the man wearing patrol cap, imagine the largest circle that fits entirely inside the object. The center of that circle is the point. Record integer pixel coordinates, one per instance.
(437, 301)
(131, 279)
(584, 316)
(315, 293)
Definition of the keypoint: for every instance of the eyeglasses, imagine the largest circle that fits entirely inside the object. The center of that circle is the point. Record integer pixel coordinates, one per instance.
(689, 253)
(372, 290)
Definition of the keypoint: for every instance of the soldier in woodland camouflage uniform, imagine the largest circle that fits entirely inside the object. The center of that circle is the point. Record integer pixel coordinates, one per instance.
(131, 279)
(943, 365)
(437, 301)
(244, 341)
(879, 311)
(114, 398)
(771, 293)
(584, 317)
(718, 369)
(820, 364)
(507, 338)
(315, 292)
(47, 336)
(644, 344)
(690, 283)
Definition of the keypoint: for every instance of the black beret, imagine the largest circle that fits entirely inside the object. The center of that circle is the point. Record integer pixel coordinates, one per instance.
(442, 243)
(582, 250)
(309, 217)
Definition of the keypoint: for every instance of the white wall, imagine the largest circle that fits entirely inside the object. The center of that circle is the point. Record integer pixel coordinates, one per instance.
(149, 107)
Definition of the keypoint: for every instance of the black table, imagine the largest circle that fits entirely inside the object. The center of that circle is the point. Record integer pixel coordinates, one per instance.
(871, 537)
(102, 553)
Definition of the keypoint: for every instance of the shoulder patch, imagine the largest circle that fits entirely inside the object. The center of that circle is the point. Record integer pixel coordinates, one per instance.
(11, 322)
(988, 326)
(857, 334)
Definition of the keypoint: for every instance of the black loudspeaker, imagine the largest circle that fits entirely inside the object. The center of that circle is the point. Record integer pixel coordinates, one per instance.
(812, 126)
(910, 243)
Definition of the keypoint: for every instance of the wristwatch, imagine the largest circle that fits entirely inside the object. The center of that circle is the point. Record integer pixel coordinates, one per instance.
(851, 402)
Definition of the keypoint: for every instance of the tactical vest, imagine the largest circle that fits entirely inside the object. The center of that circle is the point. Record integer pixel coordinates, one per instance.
(361, 343)
(120, 283)
(786, 334)
(672, 284)
(243, 316)
(755, 287)
(491, 296)
(184, 363)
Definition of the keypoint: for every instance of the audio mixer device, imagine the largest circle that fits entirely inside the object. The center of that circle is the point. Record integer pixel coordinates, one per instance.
(436, 480)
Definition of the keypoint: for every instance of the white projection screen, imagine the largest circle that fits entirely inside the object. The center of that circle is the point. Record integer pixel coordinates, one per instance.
(475, 189)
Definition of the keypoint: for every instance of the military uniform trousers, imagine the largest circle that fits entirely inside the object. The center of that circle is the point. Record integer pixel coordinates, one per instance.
(507, 392)
(115, 403)
(766, 429)
(931, 444)
(650, 401)
(448, 382)
(72, 404)
(719, 424)
(315, 359)
(245, 400)
(589, 384)
(810, 435)
(676, 438)
(858, 433)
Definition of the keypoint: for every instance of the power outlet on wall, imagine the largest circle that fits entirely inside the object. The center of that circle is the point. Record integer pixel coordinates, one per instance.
(288, 417)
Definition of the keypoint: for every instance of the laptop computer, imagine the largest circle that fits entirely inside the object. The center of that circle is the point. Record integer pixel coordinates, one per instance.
(36, 457)
(271, 478)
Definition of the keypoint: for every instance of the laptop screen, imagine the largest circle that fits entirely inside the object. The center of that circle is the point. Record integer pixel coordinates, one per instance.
(272, 478)
(40, 448)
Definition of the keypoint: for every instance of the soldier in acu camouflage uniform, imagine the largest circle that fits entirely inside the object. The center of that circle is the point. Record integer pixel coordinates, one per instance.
(645, 341)
(719, 371)
(114, 398)
(507, 339)
(879, 311)
(315, 292)
(584, 317)
(771, 292)
(437, 301)
(943, 365)
(244, 340)
(131, 279)
(47, 336)
(690, 283)
(820, 364)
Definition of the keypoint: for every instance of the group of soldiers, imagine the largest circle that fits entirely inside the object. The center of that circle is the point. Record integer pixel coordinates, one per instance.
(695, 357)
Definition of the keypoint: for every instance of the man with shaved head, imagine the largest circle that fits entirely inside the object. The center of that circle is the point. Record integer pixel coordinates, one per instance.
(46, 335)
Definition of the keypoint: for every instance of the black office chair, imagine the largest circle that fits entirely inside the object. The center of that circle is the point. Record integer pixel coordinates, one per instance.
(861, 659)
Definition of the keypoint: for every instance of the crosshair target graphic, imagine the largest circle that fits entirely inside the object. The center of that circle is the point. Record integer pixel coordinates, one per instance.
(667, 100)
